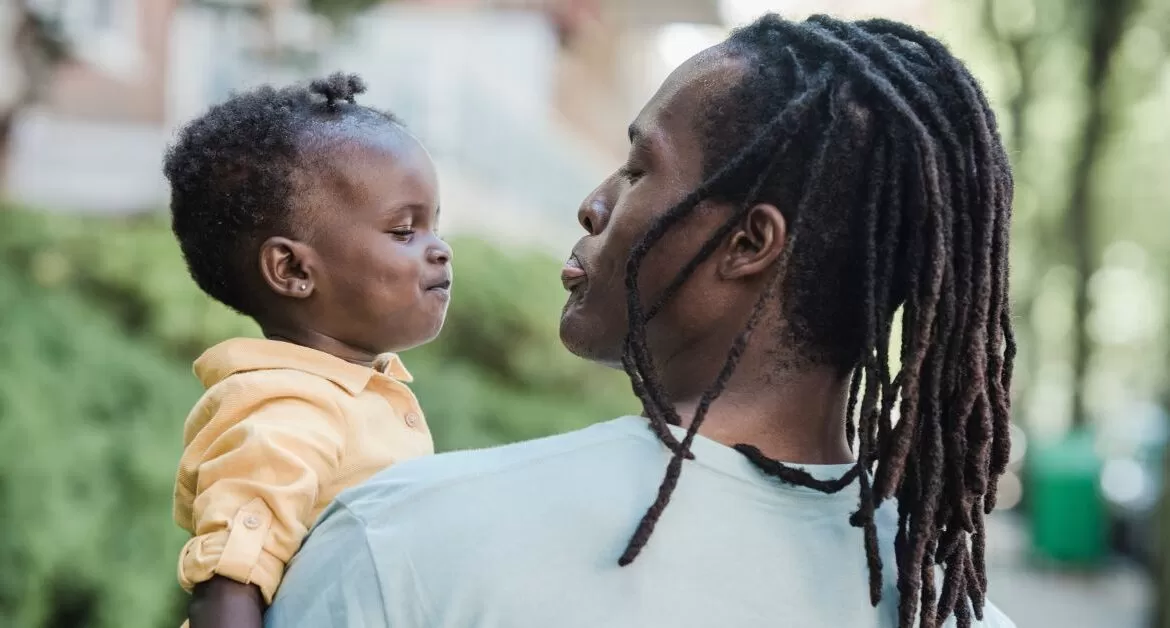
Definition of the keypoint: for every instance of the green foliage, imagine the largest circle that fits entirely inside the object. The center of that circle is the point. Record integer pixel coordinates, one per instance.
(339, 9)
(90, 424)
(131, 269)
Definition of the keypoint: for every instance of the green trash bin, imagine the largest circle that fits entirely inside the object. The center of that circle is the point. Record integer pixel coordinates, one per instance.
(1069, 521)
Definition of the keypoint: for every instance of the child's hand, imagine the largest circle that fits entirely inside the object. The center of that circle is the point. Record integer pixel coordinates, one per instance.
(223, 603)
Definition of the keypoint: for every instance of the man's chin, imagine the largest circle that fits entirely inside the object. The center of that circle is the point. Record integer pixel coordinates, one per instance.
(583, 336)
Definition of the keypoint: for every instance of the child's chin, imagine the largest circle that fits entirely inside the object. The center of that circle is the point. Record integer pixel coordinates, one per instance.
(417, 336)
(436, 328)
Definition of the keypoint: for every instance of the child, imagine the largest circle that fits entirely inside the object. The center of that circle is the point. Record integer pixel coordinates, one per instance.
(316, 217)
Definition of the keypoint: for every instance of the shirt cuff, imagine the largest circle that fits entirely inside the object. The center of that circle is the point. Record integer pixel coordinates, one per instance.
(236, 553)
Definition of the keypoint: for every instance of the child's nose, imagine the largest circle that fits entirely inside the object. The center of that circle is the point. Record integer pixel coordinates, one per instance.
(440, 253)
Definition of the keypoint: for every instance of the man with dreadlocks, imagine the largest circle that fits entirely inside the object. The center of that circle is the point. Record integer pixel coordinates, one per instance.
(788, 194)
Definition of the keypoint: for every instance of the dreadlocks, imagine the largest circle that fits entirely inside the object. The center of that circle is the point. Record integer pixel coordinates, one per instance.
(883, 153)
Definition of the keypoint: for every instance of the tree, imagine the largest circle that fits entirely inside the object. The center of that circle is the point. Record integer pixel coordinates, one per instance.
(37, 47)
(1022, 32)
(340, 8)
(1107, 21)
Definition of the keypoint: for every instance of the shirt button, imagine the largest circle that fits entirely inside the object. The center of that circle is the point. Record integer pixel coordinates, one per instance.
(412, 419)
(251, 522)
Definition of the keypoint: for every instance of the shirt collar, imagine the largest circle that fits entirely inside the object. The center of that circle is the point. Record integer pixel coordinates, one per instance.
(728, 461)
(240, 355)
(390, 364)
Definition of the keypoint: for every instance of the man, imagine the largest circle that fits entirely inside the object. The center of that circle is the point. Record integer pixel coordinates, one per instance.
(787, 193)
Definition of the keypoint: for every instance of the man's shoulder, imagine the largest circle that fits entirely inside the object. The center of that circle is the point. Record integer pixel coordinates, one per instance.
(995, 618)
(412, 484)
(421, 520)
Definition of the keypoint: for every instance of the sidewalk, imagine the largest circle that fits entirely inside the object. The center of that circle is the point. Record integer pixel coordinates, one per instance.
(1120, 596)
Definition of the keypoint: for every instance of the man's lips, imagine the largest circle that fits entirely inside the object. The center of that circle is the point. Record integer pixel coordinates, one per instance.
(572, 274)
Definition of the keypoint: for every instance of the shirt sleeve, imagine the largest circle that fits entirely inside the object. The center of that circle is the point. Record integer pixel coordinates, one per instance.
(258, 480)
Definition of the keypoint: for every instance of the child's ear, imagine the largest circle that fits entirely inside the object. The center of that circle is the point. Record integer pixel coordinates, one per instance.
(755, 244)
(287, 267)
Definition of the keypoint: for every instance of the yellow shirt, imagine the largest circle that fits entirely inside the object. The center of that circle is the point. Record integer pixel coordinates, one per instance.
(281, 430)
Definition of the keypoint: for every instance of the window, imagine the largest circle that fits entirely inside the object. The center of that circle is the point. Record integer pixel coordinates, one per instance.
(103, 33)
(102, 14)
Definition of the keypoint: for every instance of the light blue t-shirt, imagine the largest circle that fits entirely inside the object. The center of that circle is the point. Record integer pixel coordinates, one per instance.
(528, 536)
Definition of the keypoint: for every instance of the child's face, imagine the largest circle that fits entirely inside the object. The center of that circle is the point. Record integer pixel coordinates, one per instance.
(384, 274)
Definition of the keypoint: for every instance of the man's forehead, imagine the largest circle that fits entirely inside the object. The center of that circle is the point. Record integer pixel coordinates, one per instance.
(686, 91)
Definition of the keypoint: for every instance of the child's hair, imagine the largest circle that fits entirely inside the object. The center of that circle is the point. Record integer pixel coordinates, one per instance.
(234, 173)
(883, 154)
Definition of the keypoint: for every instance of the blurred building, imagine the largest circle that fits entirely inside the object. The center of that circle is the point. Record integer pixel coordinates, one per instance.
(523, 103)
(93, 142)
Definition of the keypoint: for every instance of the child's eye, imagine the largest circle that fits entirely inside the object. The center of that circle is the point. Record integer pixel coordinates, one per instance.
(402, 234)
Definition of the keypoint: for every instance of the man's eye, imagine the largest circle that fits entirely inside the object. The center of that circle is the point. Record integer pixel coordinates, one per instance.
(630, 173)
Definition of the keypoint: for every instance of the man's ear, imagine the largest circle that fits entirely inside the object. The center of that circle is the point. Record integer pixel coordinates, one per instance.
(288, 267)
(755, 244)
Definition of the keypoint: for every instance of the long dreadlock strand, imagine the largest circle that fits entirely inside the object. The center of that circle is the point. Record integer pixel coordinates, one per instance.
(952, 581)
(636, 357)
(866, 367)
(674, 469)
(922, 521)
(864, 518)
(910, 494)
(917, 328)
(795, 475)
(646, 526)
(936, 448)
(658, 421)
(976, 563)
(851, 406)
(891, 225)
(869, 368)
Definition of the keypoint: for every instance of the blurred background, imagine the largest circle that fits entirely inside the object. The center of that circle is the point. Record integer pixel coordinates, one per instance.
(524, 105)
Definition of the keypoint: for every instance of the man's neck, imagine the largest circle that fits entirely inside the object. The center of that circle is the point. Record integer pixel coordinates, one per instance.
(794, 414)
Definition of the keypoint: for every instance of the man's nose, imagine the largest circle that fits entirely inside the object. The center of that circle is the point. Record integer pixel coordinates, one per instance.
(594, 212)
